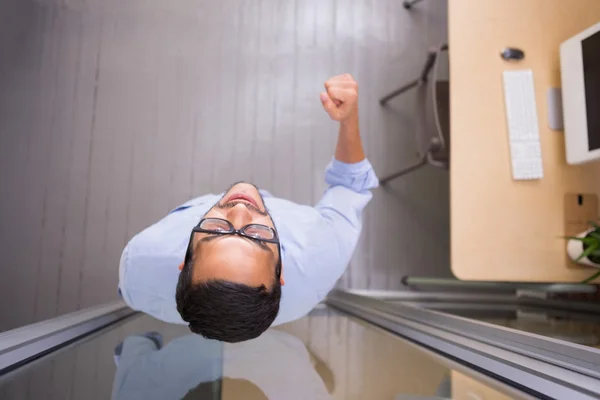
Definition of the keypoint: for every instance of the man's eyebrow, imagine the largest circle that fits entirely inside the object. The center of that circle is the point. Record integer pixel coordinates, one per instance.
(209, 237)
(212, 236)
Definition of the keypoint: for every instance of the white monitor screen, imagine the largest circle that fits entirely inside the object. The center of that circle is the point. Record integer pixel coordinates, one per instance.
(590, 49)
(580, 76)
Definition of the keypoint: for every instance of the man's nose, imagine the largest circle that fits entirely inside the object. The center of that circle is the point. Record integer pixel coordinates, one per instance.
(239, 216)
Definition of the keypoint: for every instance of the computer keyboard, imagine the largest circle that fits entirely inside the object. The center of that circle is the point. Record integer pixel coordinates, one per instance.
(522, 121)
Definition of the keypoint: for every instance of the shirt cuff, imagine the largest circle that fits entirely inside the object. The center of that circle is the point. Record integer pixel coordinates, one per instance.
(356, 176)
(122, 277)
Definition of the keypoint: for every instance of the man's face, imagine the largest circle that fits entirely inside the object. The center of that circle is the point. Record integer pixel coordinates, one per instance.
(232, 257)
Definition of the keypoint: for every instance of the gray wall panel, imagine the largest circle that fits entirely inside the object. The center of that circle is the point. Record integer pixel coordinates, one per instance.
(113, 113)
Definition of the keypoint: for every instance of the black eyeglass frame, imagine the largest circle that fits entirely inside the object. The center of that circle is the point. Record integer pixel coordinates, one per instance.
(233, 231)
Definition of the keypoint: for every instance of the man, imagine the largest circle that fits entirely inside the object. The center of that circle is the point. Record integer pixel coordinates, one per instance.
(189, 367)
(245, 245)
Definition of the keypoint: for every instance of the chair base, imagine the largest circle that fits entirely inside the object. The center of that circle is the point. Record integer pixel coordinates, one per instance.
(409, 4)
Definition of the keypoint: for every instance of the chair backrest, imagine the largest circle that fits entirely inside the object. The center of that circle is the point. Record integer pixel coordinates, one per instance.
(442, 114)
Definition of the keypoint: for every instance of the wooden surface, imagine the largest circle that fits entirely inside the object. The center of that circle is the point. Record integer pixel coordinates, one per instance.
(366, 362)
(467, 388)
(502, 229)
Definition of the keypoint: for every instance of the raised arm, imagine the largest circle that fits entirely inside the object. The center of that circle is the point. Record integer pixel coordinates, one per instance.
(350, 177)
(341, 103)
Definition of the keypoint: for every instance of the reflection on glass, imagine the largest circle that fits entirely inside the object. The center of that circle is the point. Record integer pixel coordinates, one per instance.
(574, 327)
(325, 355)
(570, 327)
(276, 365)
(368, 363)
(467, 388)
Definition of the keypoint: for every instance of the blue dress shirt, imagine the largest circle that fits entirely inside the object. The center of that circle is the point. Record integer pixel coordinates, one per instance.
(316, 245)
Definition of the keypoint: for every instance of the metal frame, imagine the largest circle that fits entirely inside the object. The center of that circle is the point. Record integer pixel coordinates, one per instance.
(472, 301)
(21, 345)
(433, 147)
(421, 80)
(408, 4)
(403, 295)
(580, 357)
(536, 364)
(415, 281)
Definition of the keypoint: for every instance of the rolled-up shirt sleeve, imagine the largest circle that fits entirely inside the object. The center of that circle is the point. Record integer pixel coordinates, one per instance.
(348, 192)
(123, 278)
(341, 209)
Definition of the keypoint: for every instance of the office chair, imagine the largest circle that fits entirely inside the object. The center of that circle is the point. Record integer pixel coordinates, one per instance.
(437, 152)
(408, 4)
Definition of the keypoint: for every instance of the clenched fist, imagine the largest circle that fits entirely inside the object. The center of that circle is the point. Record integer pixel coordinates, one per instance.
(341, 98)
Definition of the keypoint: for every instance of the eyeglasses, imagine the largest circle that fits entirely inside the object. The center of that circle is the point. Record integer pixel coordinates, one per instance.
(218, 226)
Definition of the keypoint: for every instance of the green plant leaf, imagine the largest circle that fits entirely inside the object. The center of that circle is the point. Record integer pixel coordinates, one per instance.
(591, 278)
(595, 235)
(587, 252)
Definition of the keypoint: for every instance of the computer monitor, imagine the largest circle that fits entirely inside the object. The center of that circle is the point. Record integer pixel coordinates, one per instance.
(580, 75)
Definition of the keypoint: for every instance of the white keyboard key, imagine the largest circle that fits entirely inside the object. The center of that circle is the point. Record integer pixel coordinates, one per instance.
(522, 121)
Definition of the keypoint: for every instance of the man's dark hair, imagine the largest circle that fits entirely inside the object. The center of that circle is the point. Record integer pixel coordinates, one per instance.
(227, 311)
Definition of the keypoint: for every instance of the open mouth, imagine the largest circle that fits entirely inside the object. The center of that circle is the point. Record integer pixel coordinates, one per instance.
(241, 197)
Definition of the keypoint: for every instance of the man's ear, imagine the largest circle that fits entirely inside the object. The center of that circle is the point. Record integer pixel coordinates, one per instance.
(181, 266)
(281, 279)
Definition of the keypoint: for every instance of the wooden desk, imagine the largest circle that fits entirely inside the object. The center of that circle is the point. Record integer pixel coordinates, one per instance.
(503, 229)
